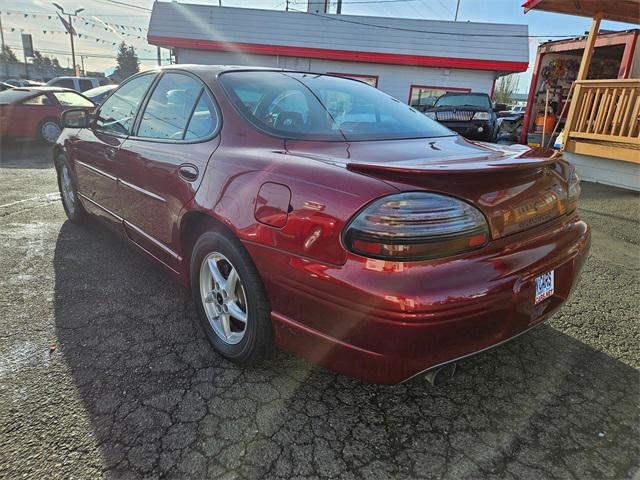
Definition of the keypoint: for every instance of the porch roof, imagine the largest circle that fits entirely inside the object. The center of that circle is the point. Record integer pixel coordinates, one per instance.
(617, 10)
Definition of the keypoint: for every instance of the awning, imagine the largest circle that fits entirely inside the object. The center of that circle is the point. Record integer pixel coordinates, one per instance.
(618, 10)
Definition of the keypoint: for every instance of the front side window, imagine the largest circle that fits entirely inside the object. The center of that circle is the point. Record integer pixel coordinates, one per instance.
(170, 107)
(321, 107)
(41, 100)
(119, 111)
(422, 98)
(72, 99)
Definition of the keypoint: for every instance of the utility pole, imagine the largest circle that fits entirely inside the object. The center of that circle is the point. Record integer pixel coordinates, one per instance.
(339, 7)
(457, 10)
(159, 55)
(82, 62)
(5, 63)
(71, 32)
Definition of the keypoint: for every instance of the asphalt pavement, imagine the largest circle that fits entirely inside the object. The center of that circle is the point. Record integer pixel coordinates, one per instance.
(105, 373)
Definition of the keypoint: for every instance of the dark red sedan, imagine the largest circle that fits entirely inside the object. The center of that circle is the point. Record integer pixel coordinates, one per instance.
(34, 112)
(324, 216)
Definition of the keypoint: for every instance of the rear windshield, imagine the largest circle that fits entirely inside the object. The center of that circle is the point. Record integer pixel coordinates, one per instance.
(14, 95)
(320, 107)
(481, 101)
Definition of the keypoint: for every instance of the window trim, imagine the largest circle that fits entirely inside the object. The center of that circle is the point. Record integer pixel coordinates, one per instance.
(451, 89)
(143, 105)
(135, 117)
(355, 76)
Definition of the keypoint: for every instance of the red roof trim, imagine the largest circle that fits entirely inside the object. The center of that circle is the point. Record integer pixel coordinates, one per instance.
(348, 55)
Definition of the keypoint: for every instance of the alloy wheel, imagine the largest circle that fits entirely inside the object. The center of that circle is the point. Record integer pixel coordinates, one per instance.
(66, 186)
(50, 131)
(224, 298)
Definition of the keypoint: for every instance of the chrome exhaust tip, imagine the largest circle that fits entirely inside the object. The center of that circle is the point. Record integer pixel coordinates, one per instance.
(441, 375)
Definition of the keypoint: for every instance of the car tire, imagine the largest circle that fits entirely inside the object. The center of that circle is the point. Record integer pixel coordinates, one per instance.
(48, 131)
(241, 342)
(69, 193)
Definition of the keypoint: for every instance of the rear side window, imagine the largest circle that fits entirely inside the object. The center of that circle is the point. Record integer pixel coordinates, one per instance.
(64, 83)
(41, 100)
(72, 99)
(179, 108)
(204, 120)
(85, 85)
(119, 111)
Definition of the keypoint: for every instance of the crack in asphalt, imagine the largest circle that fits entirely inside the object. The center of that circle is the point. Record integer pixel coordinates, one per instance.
(105, 373)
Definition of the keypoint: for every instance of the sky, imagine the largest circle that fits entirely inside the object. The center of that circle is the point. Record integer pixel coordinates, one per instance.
(105, 23)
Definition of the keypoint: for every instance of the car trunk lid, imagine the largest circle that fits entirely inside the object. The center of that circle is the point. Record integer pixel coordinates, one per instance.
(515, 187)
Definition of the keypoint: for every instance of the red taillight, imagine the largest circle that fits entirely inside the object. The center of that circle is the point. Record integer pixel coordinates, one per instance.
(573, 191)
(416, 226)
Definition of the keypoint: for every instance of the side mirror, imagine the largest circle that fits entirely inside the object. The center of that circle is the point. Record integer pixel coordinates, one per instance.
(499, 107)
(75, 118)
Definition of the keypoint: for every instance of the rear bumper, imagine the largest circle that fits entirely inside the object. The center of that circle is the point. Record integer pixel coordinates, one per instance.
(385, 322)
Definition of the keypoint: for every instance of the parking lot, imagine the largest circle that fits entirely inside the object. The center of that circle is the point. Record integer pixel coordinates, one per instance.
(104, 372)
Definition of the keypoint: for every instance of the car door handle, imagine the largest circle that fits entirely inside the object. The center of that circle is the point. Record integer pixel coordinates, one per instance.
(110, 153)
(188, 172)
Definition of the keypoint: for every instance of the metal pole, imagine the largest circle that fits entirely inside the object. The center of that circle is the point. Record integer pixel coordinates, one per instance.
(339, 7)
(82, 62)
(73, 50)
(26, 66)
(457, 10)
(159, 56)
(6, 64)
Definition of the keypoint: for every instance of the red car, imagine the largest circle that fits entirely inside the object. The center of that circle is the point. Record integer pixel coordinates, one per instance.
(324, 216)
(34, 112)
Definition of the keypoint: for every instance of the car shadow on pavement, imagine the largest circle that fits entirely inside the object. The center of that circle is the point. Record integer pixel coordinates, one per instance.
(25, 154)
(162, 403)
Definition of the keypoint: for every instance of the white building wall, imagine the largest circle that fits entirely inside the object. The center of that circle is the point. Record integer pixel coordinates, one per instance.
(395, 80)
(404, 36)
(605, 170)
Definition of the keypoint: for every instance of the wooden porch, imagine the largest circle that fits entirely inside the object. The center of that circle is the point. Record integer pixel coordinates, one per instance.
(604, 119)
(604, 115)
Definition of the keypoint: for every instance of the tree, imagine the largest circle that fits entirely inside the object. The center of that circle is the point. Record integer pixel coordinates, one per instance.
(7, 55)
(128, 63)
(44, 61)
(505, 88)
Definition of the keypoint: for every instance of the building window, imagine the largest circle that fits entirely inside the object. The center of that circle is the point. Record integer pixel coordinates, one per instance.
(368, 79)
(422, 97)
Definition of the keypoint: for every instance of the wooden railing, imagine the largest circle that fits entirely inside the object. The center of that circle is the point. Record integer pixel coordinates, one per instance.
(604, 119)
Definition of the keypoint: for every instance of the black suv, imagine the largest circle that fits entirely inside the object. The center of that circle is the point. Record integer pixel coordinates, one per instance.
(470, 114)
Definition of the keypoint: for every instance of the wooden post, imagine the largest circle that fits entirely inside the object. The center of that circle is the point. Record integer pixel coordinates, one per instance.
(546, 111)
(585, 63)
(588, 49)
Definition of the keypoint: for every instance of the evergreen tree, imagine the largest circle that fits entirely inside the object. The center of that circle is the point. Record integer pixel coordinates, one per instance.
(128, 63)
(7, 55)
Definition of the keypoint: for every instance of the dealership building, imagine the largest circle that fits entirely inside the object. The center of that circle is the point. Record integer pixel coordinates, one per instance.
(413, 60)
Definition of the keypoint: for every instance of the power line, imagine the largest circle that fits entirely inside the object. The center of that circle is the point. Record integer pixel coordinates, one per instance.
(336, 18)
(88, 55)
(124, 4)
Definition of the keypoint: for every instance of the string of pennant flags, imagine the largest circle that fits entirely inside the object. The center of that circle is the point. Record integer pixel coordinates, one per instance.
(88, 21)
(127, 32)
(98, 40)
